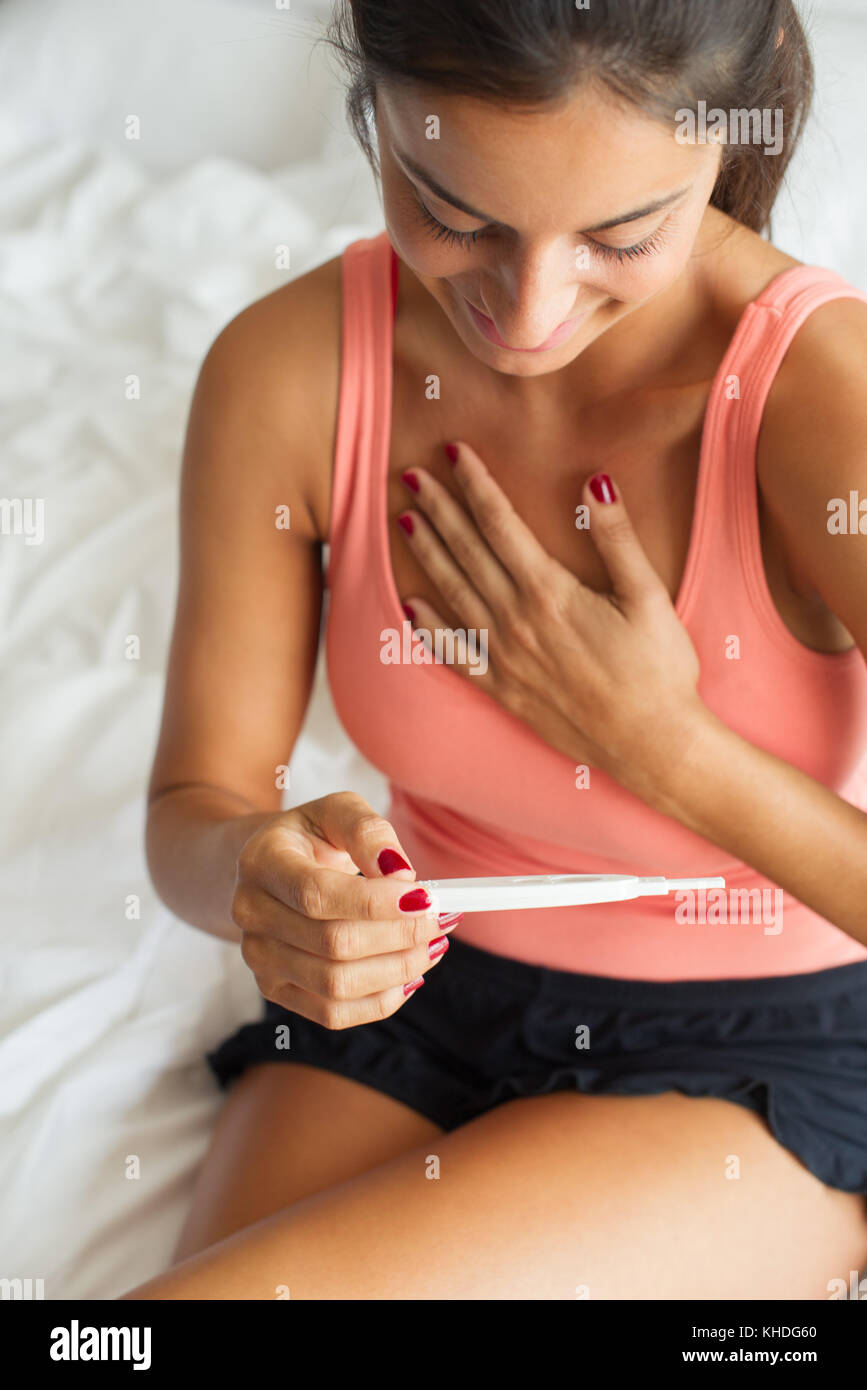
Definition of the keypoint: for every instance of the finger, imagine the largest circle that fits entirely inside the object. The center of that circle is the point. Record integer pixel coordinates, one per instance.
(341, 939)
(276, 864)
(460, 535)
(327, 894)
(510, 538)
(631, 573)
(457, 588)
(338, 1014)
(349, 823)
(466, 650)
(341, 980)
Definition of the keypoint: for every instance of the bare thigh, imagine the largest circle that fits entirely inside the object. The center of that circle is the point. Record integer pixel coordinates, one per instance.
(561, 1196)
(284, 1132)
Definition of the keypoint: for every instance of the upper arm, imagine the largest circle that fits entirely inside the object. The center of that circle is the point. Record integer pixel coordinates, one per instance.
(245, 640)
(813, 449)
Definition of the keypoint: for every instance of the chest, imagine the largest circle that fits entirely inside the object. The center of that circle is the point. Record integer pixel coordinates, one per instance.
(541, 456)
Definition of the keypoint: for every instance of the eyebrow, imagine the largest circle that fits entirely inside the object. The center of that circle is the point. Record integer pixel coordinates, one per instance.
(443, 193)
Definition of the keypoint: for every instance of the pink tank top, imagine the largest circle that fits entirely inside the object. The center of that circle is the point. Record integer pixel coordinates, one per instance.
(476, 792)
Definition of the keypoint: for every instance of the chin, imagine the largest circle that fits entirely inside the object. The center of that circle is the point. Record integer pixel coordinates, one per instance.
(529, 365)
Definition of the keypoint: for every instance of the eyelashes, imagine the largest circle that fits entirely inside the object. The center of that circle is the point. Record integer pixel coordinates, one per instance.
(629, 253)
(440, 232)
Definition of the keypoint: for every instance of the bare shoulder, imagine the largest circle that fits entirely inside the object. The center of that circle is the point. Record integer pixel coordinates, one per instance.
(813, 440)
(817, 398)
(831, 341)
(817, 391)
(813, 448)
(276, 367)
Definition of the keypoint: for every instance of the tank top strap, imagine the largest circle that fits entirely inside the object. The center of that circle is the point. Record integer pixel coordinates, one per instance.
(368, 277)
(769, 327)
(726, 537)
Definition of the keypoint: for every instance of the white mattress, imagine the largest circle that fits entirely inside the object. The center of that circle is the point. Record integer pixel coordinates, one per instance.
(120, 258)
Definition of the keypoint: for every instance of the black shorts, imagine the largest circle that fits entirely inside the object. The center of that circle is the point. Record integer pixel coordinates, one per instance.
(484, 1029)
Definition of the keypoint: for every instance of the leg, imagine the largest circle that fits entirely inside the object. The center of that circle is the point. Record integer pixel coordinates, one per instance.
(623, 1196)
(285, 1132)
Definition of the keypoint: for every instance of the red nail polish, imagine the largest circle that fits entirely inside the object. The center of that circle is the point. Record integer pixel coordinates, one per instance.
(410, 479)
(414, 900)
(406, 522)
(448, 920)
(410, 612)
(438, 947)
(413, 984)
(452, 453)
(390, 861)
(602, 488)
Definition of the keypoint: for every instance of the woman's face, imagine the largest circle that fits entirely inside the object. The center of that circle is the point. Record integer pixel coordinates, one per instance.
(535, 233)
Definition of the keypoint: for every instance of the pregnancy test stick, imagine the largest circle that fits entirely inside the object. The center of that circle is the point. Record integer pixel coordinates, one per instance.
(550, 890)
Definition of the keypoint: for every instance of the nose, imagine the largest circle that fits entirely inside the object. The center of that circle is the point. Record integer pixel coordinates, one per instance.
(531, 296)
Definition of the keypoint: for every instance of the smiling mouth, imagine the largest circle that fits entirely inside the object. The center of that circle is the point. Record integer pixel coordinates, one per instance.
(487, 327)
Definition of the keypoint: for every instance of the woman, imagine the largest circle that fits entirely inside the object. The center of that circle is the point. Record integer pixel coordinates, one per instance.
(582, 412)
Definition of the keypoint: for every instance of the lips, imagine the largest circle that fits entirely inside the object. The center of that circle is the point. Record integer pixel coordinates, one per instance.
(487, 327)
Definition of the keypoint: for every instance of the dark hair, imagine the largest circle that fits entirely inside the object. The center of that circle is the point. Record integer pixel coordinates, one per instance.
(662, 56)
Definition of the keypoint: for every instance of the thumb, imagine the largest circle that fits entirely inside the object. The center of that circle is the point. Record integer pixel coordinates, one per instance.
(358, 834)
(631, 573)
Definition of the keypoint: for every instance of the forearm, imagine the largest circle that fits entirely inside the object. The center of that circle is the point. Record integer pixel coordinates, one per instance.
(193, 839)
(790, 828)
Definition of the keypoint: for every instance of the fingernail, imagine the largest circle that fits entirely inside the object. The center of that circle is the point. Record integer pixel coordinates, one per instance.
(452, 453)
(413, 984)
(410, 479)
(405, 522)
(449, 920)
(410, 612)
(438, 947)
(390, 861)
(415, 900)
(602, 488)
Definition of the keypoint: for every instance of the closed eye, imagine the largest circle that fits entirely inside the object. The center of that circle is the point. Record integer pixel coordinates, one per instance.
(451, 237)
(441, 232)
(647, 247)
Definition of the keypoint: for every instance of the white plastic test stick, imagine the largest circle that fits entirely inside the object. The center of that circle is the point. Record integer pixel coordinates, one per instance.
(550, 890)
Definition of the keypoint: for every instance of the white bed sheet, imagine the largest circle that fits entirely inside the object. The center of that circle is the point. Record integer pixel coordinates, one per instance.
(118, 261)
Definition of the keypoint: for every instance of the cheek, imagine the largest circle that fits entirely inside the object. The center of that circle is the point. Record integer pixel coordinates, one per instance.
(427, 257)
(430, 257)
(635, 280)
